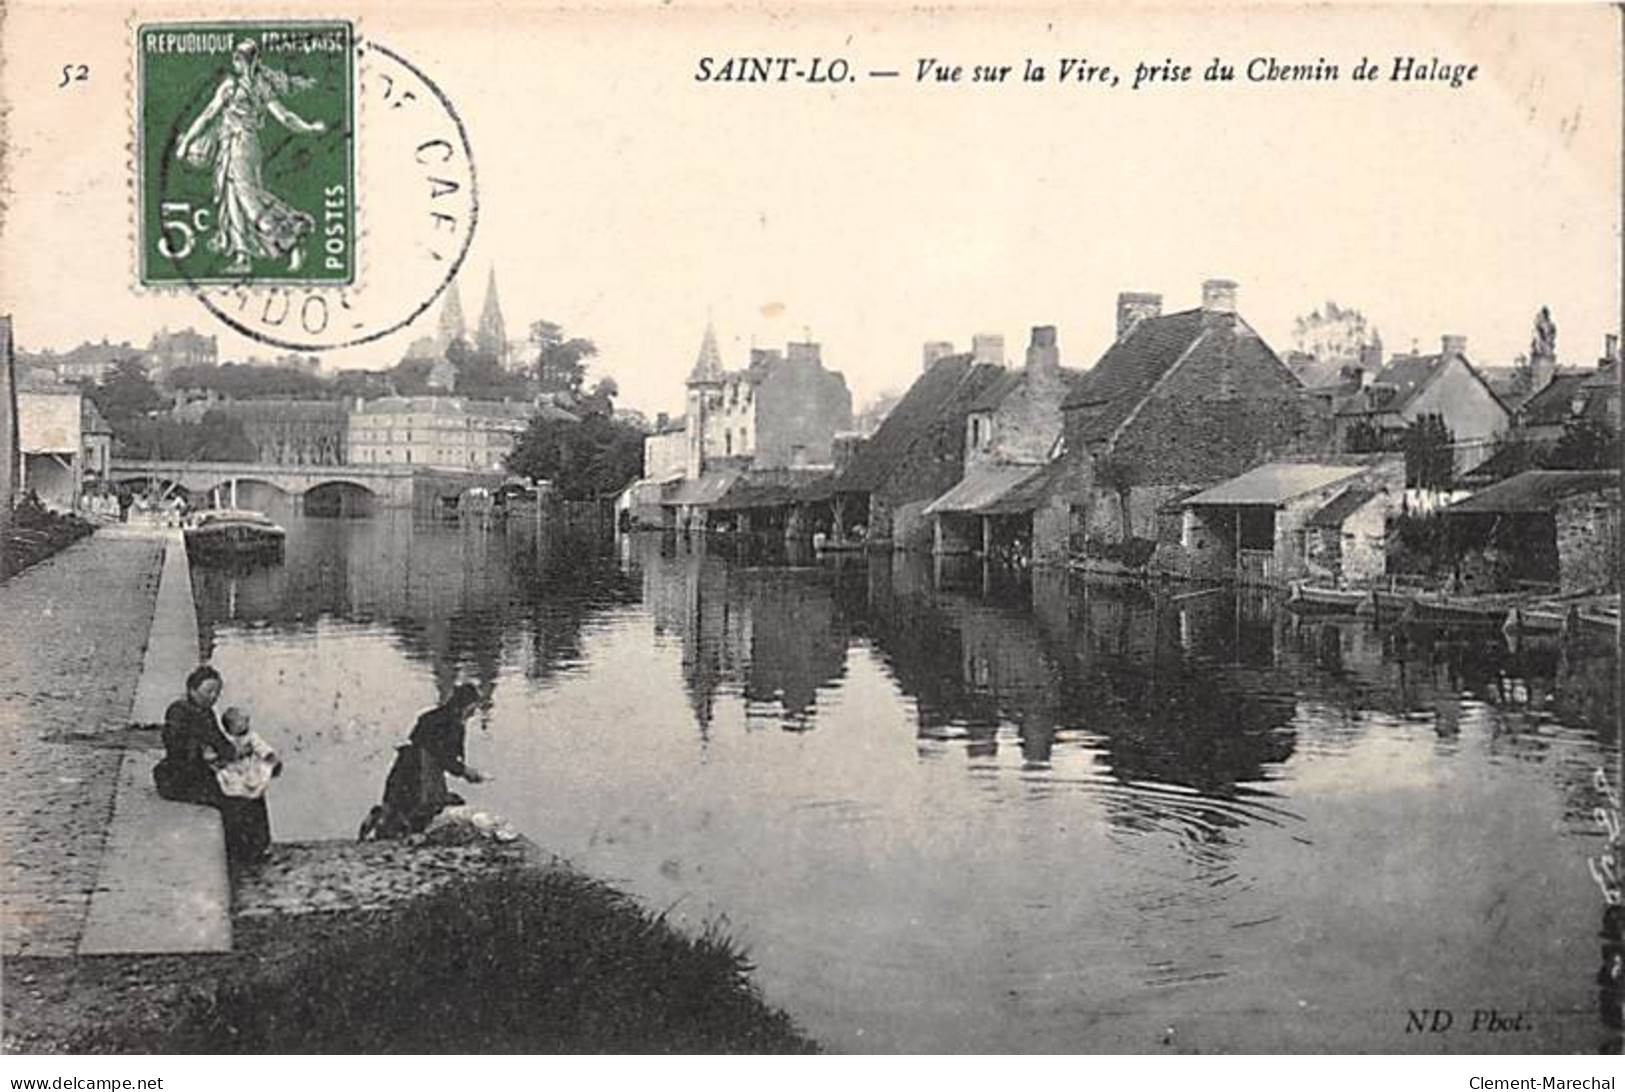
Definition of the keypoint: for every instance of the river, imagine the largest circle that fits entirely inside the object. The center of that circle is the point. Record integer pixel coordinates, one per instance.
(949, 812)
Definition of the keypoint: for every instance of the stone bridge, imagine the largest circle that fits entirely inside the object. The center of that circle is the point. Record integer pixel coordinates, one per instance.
(389, 486)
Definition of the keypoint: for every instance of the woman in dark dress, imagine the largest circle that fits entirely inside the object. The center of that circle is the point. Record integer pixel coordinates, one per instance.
(193, 743)
(416, 789)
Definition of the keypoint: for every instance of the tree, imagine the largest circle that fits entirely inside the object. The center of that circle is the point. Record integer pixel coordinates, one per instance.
(480, 374)
(1332, 333)
(602, 398)
(127, 393)
(411, 376)
(1586, 444)
(218, 437)
(561, 363)
(242, 382)
(585, 459)
(1363, 437)
(1430, 460)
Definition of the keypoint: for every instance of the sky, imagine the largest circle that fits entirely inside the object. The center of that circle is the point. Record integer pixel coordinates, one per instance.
(628, 202)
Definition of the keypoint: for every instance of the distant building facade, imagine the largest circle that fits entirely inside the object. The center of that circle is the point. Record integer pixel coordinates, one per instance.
(50, 421)
(1412, 386)
(290, 432)
(783, 410)
(443, 433)
(88, 363)
(97, 436)
(665, 451)
(181, 349)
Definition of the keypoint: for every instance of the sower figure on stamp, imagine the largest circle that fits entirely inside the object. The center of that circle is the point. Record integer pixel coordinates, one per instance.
(250, 221)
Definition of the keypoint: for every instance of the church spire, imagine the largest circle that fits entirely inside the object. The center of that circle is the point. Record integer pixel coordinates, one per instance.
(451, 326)
(708, 365)
(492, 337)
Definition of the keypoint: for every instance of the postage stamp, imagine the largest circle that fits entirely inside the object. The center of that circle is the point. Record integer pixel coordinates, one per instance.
(245, 157)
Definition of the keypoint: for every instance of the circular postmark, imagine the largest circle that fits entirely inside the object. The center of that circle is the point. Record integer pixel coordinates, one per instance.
(303, 254)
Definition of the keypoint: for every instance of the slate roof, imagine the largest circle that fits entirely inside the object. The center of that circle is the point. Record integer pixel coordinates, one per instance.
(941, 394)
(1536, 491)
(983, 487)
(994, 394)
(1405, 377)
(1273, 484)
(705, 490)
(1340, 508)
(771, 492)
(1110, 392)
(1553, 403)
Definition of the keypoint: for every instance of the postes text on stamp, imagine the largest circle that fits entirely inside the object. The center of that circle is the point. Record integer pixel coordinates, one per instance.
(245, 153)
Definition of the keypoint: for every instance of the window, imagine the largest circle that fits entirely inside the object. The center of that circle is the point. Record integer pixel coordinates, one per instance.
(728, 442)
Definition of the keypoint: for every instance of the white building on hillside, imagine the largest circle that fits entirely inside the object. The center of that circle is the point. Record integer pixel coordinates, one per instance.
(441, 433)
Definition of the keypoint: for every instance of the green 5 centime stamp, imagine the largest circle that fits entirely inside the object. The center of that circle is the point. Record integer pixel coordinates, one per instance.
(245, 153)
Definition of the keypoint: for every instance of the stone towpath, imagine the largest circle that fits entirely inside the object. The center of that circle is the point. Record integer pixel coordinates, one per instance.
(78, 815)
(163, 885)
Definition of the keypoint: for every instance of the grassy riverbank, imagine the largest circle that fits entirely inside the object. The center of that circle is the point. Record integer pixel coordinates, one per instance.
(506, 957)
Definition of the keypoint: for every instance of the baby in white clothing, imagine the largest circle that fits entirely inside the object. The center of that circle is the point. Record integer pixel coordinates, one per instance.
(249, 769)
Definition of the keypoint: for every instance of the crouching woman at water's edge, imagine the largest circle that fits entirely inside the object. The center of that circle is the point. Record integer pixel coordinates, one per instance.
(193, 744)
(416, 788)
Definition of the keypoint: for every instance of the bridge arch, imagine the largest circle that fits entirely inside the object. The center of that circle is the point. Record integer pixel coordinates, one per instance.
(340, 497)
(249, 492)
(128, 483)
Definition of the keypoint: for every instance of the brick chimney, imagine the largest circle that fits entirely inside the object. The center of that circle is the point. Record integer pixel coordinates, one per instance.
(934, 351)
(1043, 354)
(1134, 308)
(987, 349)
(1453, 345)
(1219, 297)
(1610, 351)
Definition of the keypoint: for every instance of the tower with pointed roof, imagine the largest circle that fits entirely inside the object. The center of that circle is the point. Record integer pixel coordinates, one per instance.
(492, 336)
(704, 385)
(451, 325)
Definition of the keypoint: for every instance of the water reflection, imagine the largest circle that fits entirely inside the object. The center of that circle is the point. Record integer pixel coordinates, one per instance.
(960, 809)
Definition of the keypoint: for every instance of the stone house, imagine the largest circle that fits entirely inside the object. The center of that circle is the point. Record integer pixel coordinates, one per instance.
(916, 454)
(1011, 431)
(1413, 386)
(1347, 540)
(1267, 526)
(1542, 527)
(783, 410)
(1176, 403)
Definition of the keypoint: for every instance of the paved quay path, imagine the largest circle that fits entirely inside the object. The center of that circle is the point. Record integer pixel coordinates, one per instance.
(72, 633)
(91, 860)
(162, 886)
